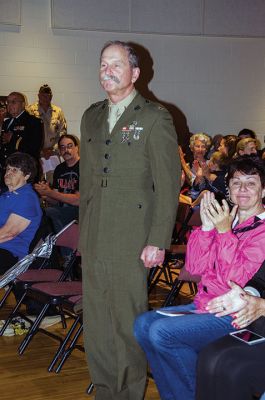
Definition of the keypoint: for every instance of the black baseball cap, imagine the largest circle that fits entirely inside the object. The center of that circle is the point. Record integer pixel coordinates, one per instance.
(45, 89)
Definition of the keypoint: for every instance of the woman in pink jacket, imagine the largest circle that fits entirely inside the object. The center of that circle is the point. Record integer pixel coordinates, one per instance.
(230, 245)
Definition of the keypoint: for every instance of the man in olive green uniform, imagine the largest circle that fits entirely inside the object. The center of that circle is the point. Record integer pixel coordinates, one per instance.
(129, 193)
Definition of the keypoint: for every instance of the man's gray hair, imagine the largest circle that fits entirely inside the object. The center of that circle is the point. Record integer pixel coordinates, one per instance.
(132, 56)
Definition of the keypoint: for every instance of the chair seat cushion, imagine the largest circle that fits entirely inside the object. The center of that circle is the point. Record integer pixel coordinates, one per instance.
(69, 288)
(40, 275)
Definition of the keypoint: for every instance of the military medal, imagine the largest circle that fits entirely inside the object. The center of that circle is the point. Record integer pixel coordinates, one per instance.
(125, 134)
(137, 131)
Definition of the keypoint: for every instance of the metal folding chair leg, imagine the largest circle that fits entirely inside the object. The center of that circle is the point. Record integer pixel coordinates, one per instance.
(90, 388)
(69, 349)
(12, 315)
(67, 346)
(33, 330)
(7, 293)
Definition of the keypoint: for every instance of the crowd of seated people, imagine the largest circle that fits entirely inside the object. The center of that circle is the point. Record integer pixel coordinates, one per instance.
(208, 168)
(36, 130)
(225, 231)
(227, 247)
(27, 134)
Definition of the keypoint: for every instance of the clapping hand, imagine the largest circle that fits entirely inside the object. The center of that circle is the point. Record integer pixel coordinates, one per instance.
(214, 215)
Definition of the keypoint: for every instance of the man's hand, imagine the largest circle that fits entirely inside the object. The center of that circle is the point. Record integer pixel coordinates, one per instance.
(43, 189)
(152, 256)
(254, 309)
(229, 302)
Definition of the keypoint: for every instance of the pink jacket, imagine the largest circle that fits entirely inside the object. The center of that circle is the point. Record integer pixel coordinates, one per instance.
(220, 257)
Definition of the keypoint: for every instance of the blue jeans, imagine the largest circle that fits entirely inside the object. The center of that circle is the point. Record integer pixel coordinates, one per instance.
(172, 344)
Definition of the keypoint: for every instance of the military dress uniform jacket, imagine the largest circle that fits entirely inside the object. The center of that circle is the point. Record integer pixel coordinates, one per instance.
(130, 180)
(27, 136)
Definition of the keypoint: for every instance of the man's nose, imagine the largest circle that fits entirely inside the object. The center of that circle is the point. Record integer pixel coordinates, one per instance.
(108, 70)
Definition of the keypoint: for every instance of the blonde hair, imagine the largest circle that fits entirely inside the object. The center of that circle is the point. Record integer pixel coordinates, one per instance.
(241, 145)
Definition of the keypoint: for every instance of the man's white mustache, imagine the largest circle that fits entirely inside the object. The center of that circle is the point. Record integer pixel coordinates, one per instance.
(111, 77)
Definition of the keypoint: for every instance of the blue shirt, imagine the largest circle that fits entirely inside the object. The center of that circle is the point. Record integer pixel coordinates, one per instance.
(24, 202)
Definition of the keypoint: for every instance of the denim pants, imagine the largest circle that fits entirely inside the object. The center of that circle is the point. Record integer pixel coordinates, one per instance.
(172, 344)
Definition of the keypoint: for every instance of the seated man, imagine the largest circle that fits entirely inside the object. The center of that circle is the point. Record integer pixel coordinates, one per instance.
(63, 197)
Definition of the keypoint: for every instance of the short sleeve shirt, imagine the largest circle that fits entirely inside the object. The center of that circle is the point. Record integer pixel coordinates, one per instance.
(25, 203)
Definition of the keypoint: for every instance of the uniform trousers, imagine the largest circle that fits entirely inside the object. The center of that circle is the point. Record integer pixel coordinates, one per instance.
(231, 370)
(172, 344)
(115, 292)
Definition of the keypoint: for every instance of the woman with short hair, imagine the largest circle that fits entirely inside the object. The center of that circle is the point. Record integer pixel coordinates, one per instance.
(20, 211)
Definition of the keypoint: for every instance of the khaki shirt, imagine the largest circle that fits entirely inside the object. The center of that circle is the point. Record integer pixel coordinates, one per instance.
(54, 123)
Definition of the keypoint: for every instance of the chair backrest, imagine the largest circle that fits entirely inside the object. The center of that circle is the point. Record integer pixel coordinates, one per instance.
(69, 237)
(195, 218)
(184, 275)
(187, 217)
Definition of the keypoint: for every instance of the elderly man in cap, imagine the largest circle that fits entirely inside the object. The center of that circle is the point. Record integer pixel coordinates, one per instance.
(52, 117)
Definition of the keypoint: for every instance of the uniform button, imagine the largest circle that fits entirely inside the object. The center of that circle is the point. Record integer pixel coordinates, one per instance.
(108, 141)
(139, 205)
(106, 170)
(107, 156)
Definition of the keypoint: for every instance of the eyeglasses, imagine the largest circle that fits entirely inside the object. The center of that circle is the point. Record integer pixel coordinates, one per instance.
(13, 170)
(67, 146)
(13, 101)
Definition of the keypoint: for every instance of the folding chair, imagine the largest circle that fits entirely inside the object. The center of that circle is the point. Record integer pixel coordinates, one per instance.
(68, 238)
(72, 305)
(162, 273)
(42, 232)
(184, 277)
(187, 218)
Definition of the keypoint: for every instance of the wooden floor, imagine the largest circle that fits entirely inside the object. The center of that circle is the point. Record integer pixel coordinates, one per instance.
(26, 377)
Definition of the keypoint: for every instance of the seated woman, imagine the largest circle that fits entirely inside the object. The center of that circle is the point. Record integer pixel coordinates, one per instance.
(199, 145)
(20, 211)
(226, 247)
(211, 176)
(227, 360)
(228, 147)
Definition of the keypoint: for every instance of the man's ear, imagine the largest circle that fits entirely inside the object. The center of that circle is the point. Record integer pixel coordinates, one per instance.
(135, 74)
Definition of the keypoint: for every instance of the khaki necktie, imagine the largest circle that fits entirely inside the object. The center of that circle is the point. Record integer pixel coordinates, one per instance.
(114, 114)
